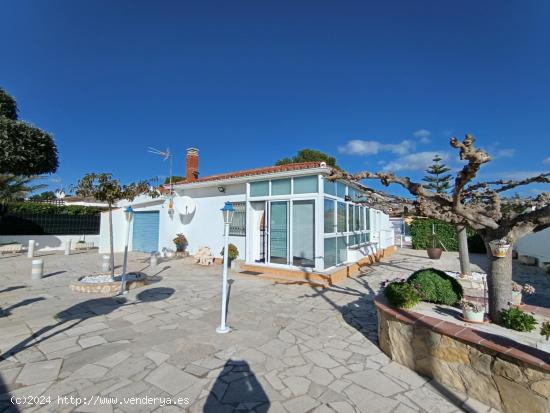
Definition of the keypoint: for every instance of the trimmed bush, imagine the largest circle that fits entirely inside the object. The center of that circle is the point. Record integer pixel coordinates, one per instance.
(49, 209)
(421, 233)
(437, 287)
(233, 252)
(518, 320)
(401, 294)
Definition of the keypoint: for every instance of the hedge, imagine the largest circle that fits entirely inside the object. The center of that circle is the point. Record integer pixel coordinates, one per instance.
(421, 233)
(49, 209)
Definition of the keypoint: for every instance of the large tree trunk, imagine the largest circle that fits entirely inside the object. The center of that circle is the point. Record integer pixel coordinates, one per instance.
(463, 253)
(112, 247)
(499, 280)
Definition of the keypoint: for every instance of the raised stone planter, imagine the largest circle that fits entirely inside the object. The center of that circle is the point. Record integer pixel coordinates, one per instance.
(495, 370)
(138, 280)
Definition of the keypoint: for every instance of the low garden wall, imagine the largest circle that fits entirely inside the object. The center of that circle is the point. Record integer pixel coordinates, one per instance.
(497, 371)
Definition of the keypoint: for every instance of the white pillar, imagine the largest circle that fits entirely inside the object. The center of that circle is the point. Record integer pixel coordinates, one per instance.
(154, 260)
(37, 270)
(30, 252)
(105, 263)
(68, 247)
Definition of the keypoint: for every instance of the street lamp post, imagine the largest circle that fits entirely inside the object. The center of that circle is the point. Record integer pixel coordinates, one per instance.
(128, 214)
(227, 212)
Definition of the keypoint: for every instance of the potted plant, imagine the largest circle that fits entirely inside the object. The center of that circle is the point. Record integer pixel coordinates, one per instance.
(232, 254)
(545, 330)
(434, 252)
(518, 290)
(181, 243)
(472, 311)
(499, 247)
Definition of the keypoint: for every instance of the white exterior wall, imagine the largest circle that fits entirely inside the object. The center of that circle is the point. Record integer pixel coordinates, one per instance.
(536, 245)
(203, 228)
(49, 242)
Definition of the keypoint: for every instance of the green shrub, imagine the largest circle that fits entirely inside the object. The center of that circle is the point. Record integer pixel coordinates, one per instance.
(421, 233)
(437, 287)
(402, 294)
(233, 252)
(50, 209)
(518, 320)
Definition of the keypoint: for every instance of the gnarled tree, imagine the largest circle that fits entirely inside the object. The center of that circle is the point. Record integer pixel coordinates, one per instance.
(104, 188)
(478, 205)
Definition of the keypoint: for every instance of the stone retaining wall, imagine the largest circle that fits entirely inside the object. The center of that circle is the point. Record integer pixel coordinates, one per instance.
(509, 377)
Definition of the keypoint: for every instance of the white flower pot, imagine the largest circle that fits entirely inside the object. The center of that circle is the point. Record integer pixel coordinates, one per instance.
(476, 317)
(516, 297)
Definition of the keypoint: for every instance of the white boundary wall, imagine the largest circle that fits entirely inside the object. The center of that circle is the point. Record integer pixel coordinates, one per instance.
(536, 245)
(49, 242)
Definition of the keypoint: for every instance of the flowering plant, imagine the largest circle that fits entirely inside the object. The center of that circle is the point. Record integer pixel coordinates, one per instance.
(526, 288)
(471, 305)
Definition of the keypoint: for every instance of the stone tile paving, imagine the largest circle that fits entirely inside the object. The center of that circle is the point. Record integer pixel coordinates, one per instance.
(292, 348)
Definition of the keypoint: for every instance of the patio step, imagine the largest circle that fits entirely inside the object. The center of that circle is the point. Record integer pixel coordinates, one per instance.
(287, 276)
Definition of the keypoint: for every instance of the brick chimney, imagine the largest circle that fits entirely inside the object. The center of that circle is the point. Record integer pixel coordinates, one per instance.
(192, 165)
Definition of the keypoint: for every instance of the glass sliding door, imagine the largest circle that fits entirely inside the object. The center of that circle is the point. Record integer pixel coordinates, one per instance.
(278, 232)
(303, 233)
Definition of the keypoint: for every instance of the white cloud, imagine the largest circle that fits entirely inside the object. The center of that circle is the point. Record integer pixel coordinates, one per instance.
(362, 147)
(423, 135)
(547, 160)
(414, 161)
(503, 153)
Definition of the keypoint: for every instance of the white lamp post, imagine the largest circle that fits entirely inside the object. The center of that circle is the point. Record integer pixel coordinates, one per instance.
(227, 212)
(128, 214)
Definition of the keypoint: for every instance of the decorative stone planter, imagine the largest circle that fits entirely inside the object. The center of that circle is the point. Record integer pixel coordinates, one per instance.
(434, 253)
(110, 287)
(473, 316)
(496, 370)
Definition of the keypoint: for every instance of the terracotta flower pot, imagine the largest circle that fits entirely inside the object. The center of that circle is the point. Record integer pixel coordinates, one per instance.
(434, 253)
(476, 317)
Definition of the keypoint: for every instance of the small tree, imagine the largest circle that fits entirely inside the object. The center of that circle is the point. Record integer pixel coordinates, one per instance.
(481, 206)
(46, 195)
(309, 155)
(24, 149)
(437, 178)
(102, 187)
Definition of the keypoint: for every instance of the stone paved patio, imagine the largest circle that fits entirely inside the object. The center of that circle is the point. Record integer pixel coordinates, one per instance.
(293, 348)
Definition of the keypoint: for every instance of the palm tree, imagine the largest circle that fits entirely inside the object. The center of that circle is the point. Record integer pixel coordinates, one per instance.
(16, 188)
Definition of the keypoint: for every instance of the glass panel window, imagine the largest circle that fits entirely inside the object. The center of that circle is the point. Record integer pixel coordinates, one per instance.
(280, 187)
(341, 217)
(306, 184)
(350, 217)
(361, 218)
(260, 188)
(279, 233)
(342, 249)
(356, 219)
(329, 187)
(329, 215)
(340, 190)
(367, 216)
(303, 233)
(330, 252)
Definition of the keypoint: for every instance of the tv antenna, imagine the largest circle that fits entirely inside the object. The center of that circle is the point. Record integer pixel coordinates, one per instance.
(166, 155)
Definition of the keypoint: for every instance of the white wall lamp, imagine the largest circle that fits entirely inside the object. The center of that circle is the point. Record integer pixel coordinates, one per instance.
(221, 188)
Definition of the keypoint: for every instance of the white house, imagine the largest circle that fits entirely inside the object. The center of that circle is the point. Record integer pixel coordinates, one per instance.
(287, 217)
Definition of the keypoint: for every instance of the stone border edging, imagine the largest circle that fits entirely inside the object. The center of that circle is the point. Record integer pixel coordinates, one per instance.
(501, 345)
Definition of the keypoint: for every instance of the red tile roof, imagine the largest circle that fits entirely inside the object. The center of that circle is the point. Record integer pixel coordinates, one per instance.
(256, 171)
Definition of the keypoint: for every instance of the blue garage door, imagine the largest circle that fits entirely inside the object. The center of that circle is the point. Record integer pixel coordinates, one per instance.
(146, 231)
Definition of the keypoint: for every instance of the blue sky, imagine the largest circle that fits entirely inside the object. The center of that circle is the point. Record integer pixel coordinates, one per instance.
(381, 85)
